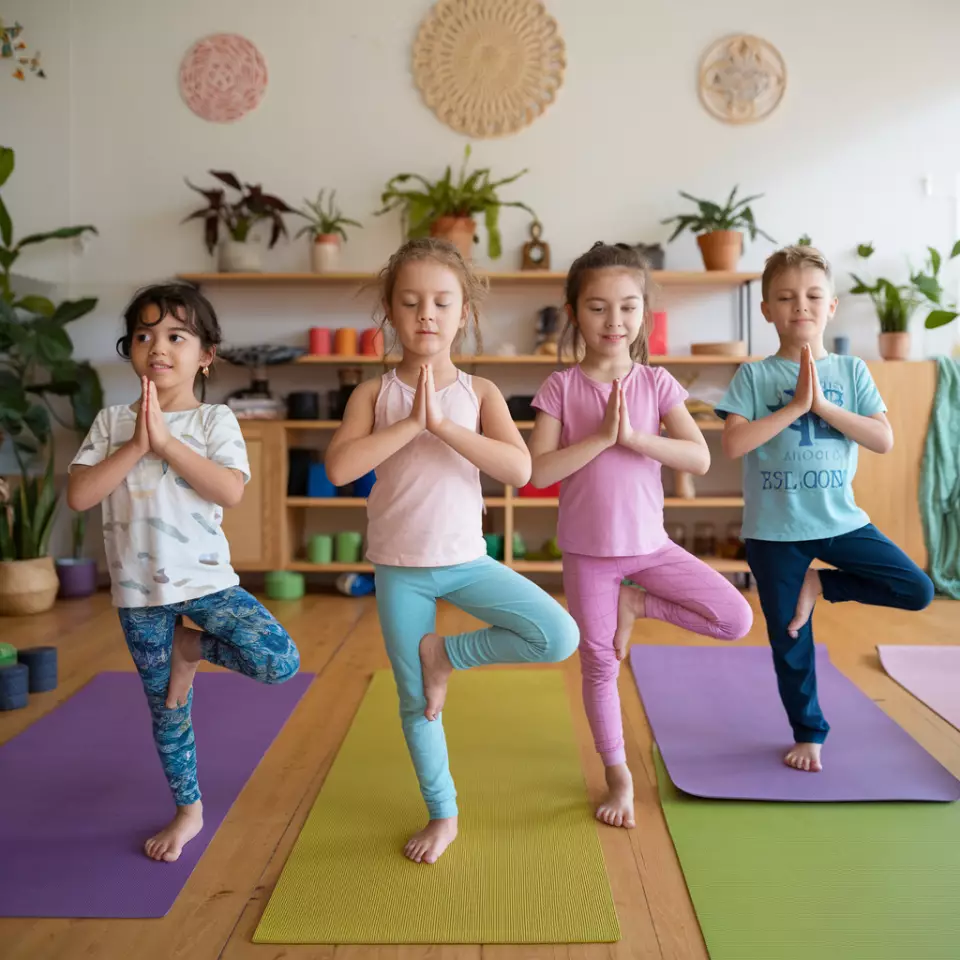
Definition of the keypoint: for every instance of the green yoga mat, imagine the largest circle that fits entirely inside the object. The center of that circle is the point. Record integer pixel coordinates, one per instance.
(819, 881)
(527, 865)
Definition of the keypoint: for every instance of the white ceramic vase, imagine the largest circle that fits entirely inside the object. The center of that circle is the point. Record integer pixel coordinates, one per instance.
(240, 257)
(325, 254)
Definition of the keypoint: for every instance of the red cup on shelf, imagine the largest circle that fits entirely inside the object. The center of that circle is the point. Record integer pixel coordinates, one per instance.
(345, 342)
(658, 334)
(371, 342)
(319, 341)
(529, 490)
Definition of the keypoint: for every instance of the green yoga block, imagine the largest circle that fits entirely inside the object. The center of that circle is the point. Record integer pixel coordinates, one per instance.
(284, 585)
(8, 655)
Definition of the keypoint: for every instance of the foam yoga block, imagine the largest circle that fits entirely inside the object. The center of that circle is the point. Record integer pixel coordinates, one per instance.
(320, 548)
(348, 547)
(284, 585)
(14, 684)
(41, 662)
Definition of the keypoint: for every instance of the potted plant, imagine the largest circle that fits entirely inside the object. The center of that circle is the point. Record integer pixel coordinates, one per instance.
(77, 574)
(896, 304)
(238, 253)
(719, 229)
(447, 209)
(326, 227)
(36, 364)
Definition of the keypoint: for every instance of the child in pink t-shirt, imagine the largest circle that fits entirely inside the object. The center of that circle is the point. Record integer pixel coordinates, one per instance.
(598, 431)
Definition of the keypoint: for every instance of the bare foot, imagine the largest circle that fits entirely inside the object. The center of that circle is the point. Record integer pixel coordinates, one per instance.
(617, 809)
(168, 844)
(436, 668)
(184, 661)
(804, 756)
(427, 845)
(809, 592)
(631, 606)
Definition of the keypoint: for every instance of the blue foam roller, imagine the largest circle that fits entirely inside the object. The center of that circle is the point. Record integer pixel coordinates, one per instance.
(14, 684)
(362, 486)
(41, 663)
(317, 483)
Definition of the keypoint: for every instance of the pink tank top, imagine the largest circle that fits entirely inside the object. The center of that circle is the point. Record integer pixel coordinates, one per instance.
(426, 508)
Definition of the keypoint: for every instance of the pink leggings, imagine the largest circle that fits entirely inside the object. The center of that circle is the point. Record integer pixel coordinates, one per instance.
(680, 589)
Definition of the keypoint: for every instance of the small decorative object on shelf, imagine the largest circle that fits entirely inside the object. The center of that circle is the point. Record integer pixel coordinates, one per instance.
(896, 304)
(721, 348)
(549, 328)
(303, 405)
(371, 342)
(320, 341)
(256, 402)
(742, 79)
(345, 342)
(494, 542)
(529, 490)
(326, 229)
(320, 548)
(841, 345)
(719, 229)
(683, 486)
(348, 546)
(677, 532)
(239, 253)
(657, 340)
(536, 253)
(653, 254)
(446, 209)
(284, 585)
(488, 68)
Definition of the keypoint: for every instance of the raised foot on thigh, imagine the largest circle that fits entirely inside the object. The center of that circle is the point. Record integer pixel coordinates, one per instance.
(804, 756)
(436, 668)
(184, 660)
(617, 807)
(427, 845)
(168, 844)
(631, 606)
(809, 592)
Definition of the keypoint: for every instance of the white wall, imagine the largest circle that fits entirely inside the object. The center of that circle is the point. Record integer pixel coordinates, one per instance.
(872, 105)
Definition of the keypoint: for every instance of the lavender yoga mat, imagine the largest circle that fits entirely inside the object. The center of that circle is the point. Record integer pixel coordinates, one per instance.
(931, 674)
(82, 788)
(718, 721)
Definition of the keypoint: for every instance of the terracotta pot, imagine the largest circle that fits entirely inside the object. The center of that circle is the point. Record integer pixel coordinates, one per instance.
(27, 586)
(721, 249)
(895, 346)
(460, 231)
(240, 257)
(326, 253)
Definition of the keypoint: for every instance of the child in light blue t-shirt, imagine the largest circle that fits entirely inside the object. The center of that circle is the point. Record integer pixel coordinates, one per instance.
(798, 418)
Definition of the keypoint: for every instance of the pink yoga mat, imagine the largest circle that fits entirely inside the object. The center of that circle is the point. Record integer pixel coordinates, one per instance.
(931, 674)
(717, 718)
(82, 788)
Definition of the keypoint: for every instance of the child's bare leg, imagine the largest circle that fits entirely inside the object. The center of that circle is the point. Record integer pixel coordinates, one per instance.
(168, 844)
(617, 807)
(804, 756)
(436, 668)
(631, 606)
(427, 845)
(184, 660)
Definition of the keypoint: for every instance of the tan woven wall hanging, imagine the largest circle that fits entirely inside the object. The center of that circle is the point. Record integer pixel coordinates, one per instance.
(488, 68)
(742, 79)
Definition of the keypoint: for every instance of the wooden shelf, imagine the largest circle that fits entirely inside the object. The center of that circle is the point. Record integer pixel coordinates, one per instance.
(357, 502)
(664, 278)
(706, 425)
(305, 566)
(556, 566)
(519, 360)
(668, 502)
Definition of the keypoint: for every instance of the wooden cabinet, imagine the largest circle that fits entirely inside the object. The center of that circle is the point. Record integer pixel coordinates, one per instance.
(253, 528)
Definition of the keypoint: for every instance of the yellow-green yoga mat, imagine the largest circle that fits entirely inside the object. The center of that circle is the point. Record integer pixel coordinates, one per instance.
(819, 881)
(526, 867)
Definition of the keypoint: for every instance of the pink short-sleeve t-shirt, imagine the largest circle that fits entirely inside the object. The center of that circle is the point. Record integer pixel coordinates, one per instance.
(612, 507)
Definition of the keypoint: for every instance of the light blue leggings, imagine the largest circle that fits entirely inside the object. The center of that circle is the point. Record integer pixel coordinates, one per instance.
(529, 626)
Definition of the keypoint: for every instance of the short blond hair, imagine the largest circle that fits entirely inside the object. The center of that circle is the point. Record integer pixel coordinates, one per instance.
(789, 257)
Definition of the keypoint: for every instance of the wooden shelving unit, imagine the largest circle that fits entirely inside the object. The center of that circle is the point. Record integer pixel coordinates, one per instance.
(705, 425)
(517, 360)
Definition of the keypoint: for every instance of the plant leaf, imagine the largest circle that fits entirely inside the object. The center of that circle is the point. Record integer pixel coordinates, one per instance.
(40, 305)
(491, 217)
(934, 260)
(928, 286)
(6, 225)
(865, 250)
(7, 257)
(939, 318)
(226, 177)
(955, 250)
(7, 163)
(53, 343)
(71, 310)
(64, 233)
(87, 399)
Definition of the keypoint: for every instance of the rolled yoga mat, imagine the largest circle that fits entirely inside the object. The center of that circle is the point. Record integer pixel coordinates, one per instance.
(83, 789)
(718, 720)
(526, 867)
(831, 881)
(931, 674)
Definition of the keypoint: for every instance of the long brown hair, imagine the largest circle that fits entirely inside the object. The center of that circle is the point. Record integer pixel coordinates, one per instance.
(607, 256)
(446, 254)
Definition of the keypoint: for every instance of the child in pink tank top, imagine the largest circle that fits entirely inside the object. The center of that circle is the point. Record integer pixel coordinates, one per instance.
(598, 432)
(429, 430)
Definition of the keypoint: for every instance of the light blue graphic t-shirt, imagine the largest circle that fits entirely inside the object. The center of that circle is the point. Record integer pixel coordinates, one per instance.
(799, 485)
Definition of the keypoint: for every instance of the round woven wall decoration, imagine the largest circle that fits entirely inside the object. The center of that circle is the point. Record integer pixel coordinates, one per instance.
(488, 68)
(742, 79)
(223, 77)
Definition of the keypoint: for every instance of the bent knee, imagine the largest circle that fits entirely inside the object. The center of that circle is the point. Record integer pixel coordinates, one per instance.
(561, 636)
(739, 621)
(285, 667)
(920, 593)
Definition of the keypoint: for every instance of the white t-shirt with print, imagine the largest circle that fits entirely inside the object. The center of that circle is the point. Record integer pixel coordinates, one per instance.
(163, 541)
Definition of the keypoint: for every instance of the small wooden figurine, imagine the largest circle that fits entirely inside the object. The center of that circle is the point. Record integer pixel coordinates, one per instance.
(536, 253)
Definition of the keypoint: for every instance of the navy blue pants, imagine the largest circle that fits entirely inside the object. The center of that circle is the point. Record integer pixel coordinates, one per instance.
(870, 569)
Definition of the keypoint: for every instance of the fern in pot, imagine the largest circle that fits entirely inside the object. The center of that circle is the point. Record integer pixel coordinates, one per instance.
(719, 228)
(327, 229)
(448, 208)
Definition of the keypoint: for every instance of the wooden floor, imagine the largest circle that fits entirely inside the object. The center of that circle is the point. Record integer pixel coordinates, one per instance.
(339, 639)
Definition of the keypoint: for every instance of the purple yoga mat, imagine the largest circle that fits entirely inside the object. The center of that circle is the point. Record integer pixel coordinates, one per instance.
(718, 721)
(82, 789)
(931, 674)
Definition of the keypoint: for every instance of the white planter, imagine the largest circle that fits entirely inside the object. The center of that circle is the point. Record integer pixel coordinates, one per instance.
(239, 257)
(325, 253)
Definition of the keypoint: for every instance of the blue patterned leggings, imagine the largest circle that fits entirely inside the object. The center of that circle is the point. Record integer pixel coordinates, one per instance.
(239, 633)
